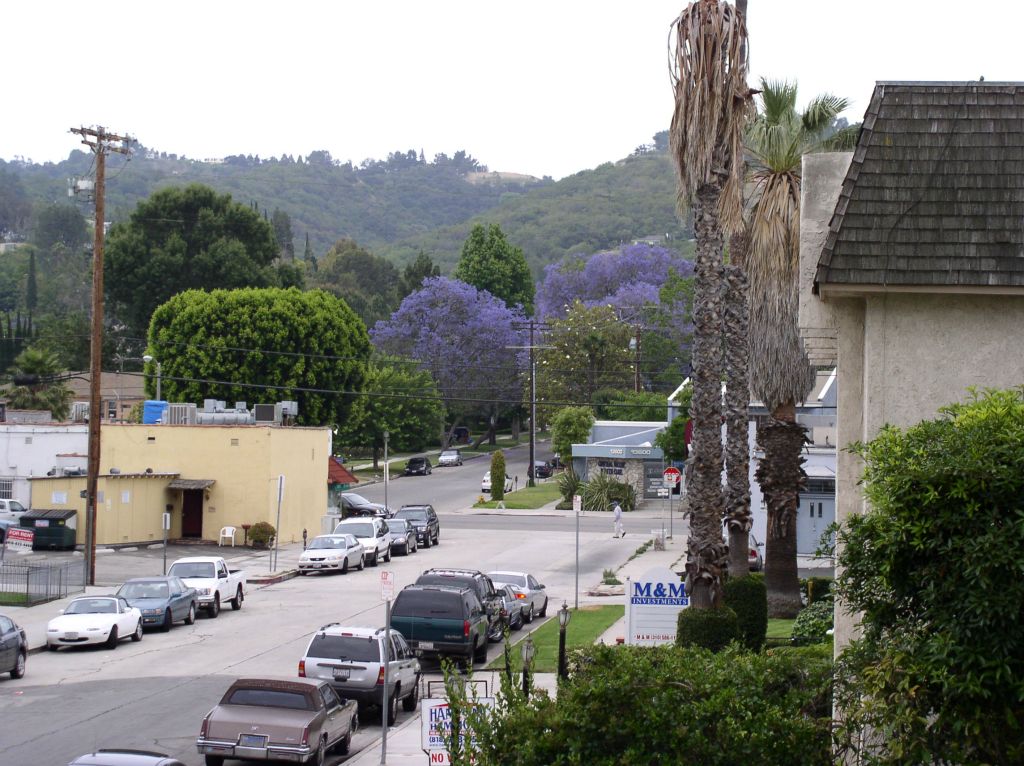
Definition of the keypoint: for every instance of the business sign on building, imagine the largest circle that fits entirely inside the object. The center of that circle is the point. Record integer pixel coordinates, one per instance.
(653, 603)
(436, 724)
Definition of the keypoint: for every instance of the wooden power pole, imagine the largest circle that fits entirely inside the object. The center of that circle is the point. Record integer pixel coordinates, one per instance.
(101, 144)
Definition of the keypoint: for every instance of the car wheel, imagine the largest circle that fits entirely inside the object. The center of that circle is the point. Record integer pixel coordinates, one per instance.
(362, 563)
(137, 635)
(387, 556)
(392, 711)
(190, 619)
(426, 543)
(528, 614)
(544, 609)
(409, 703)
(344, 566)
(18, 671)
(112, 638)
(214, 608)
(479, 653)
(496, 632)
(214, 760)
(373, 561)
(168, 619)
(516, 623)
(437, 539)
(415, 546)
(320, 754)
(345, 742)
(52, 647)
(236, 602)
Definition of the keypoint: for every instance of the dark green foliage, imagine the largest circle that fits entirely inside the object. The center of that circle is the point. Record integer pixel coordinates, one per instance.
(293, 345)
(497, 475)
(711, 629)
(414, 274)
(31, 286)
(813, 622)
(35, 385)
(673, 439)
(569, 484)
(748, 597)
(638, 706)
(14, 203)
(571, 426)
(59, 225)
(261, 534)
(366, 282)
(602, 491)
(817, 588)
(282, 224)
(489, 262)
(612, 404)
(934, 571)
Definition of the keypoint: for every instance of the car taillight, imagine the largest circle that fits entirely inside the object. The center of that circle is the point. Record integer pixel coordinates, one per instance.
(465, 628)
(302, 668)
(520, 595)
(753, 553)
(305, 735)
(380, 676)
(205, 727)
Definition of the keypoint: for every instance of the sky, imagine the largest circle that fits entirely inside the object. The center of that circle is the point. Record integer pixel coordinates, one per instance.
(544, 88)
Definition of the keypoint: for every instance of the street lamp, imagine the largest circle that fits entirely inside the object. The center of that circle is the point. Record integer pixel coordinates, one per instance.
(159, 372)
(564, 615)
(527, 650)
(386, 472)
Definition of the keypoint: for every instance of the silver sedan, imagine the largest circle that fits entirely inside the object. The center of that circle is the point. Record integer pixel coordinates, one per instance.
(332, 553)
(527, 589)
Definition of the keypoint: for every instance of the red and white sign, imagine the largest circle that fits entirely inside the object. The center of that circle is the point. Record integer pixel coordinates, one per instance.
(671, 476)
(387, 585)
(20, 539)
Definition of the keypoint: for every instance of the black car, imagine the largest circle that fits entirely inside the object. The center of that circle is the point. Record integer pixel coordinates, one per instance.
(13, 648)
(417, 466)
(423, 519)
(481, 585)
(357, 505)
(403, 536)
(541, 470)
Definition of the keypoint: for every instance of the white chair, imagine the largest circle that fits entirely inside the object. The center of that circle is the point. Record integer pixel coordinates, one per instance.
(226, 533)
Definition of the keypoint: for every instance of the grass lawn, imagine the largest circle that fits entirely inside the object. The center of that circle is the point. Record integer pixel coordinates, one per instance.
(780, 628)
(13, 599)
(528, 497)
(585, 627)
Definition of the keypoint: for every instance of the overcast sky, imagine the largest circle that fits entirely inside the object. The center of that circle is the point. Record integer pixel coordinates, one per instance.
(545, 88)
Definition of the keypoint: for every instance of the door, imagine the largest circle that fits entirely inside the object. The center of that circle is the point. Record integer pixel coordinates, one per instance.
(335, 724)
(8, 642)
(192, 513)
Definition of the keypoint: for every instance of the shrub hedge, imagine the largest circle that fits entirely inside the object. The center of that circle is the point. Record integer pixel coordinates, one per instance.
(711, 629)
(748, 597)
(812, 624)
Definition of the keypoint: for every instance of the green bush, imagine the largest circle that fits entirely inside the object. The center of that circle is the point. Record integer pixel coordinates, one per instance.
(261, 533)
(498, 475)
(627, 705)
(711, 629)
(812, 624)
(748, 597)
(569, 485)
(602, 491)
(817, 588)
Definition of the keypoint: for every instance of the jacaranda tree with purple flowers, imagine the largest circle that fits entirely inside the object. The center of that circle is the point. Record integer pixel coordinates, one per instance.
(463, 336)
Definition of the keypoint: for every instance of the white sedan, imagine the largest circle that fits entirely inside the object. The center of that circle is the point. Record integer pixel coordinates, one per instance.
(94, 620)
(485, 485)
(331, 553)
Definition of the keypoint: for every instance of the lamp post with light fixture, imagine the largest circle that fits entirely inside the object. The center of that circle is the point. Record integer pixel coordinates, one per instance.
(386, 471)
(159, 372)
(527, 650)
(564, 615)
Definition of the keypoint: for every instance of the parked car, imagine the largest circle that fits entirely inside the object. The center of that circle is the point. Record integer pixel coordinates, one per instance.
(294, 719)
(513, 611)
(12, 510)
(357, 505)
(754, 558)
(162, 600)
(374, 535)
(417, 465)
(442, 621)
(13, 648)
(6, 524)
(482, 587)
(423, 518)
(125, 758)
(94, 620)
(213, 580)
(352, 661)
(332, 553)
(403, 536)
(541, 470)
(485, 485)
(449, 457)
(527, 590)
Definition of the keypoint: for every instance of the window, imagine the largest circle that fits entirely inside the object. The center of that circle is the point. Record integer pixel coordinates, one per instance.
(6, 488)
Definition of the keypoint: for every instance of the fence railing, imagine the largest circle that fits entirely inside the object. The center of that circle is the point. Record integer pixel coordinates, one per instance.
(28, 584)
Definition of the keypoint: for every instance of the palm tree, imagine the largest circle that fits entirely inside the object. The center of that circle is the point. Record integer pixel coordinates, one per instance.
(780, 374)
(35, 388)
(709, 72)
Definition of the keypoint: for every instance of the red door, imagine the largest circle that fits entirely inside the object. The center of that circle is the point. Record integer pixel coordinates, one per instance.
(192, 513)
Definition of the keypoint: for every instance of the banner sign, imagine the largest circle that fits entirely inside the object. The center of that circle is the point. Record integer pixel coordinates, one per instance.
(653, 603)
(20, 539)
(436, 723)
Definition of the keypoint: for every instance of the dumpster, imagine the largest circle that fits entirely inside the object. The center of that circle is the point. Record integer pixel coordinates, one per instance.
(54, 529)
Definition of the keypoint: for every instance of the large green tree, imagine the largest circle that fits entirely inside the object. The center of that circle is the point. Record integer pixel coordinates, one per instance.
(59, 224)
(262, 345)
(187, 238)
(490, 262)
(780, 374)
(35, 385)
(366, 282)
(571, 426)
(414, 273)
(399, 398)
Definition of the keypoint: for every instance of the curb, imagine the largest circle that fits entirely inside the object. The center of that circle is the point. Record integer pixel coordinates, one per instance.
(272, 579)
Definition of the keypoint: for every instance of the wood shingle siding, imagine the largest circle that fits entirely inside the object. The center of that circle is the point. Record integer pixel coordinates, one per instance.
(935, 193)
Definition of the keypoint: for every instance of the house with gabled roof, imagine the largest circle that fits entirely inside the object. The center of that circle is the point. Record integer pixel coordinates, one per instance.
(912, 261)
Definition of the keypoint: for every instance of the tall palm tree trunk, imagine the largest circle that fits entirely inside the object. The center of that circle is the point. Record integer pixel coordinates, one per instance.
(737, 398)
(706, 554)
(781, 476)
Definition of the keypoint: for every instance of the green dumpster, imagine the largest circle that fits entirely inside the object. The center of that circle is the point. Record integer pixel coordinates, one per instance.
(54, 529)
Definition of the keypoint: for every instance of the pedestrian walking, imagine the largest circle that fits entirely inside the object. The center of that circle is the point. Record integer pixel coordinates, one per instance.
(620, 531)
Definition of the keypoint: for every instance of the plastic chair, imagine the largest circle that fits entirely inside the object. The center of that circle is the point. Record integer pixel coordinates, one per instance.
(226, 533)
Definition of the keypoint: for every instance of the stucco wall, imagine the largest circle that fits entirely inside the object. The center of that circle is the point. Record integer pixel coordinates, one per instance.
(31, 450)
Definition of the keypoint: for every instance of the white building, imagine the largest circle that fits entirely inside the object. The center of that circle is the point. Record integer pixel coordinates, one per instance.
(36, 449)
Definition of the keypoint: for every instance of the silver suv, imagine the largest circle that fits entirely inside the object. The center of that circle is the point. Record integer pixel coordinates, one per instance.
(373, 533)
(351, 660)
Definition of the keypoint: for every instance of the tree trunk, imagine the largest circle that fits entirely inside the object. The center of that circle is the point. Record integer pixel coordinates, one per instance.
(737, 399)
(706, 553)
(376, 457)
(781, 476)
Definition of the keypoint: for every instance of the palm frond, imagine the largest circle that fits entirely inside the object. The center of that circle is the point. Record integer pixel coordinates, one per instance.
(778, 100)
(822, 111)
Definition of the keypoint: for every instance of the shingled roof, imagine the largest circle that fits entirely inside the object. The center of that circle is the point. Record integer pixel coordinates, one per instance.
(935, 193)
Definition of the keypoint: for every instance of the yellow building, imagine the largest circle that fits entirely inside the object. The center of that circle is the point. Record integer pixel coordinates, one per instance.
(206, 476)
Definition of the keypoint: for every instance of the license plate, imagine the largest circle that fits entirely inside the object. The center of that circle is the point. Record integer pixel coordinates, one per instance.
(340, 675)
(252, 740)
(317, 566)
(426, 645)
(70, 635)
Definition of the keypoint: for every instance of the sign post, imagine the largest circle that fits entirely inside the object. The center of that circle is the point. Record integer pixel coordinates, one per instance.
(165, 522)
(577, 506)
(671, 477)
(387, 592)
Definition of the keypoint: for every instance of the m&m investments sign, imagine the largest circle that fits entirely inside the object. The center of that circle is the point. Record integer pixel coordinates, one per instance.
(653, 603)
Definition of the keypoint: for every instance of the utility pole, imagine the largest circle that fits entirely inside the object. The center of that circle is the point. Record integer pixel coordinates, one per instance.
(101, 144)
(532, 325)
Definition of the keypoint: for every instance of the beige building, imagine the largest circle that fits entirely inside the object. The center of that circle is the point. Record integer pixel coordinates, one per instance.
(206, 476)
(912, 261)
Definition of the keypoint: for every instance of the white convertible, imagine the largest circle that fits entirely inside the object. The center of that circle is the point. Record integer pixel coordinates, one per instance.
(94, 620)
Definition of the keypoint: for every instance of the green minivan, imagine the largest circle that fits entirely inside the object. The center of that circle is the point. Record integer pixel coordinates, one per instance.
(442, 621)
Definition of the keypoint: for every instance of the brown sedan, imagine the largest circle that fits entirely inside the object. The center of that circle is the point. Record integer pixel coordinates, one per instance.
(294, 719)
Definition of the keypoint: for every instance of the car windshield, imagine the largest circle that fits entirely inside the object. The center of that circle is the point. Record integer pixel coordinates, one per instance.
(16, 506)
(200, 569)
(354, 648)
(450, 453)
(397, 525)
(269, 698)
(415, 461)
(355, 499)
(144, 590)
(508, 577)
(320, 543)
(92, 606)
(415, 514)
(360, 529)
(428, 603)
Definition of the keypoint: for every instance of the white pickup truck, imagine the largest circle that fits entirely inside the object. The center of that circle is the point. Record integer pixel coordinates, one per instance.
(213, 581)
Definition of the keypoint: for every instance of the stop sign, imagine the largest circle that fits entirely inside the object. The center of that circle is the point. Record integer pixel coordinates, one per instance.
(672, 475)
